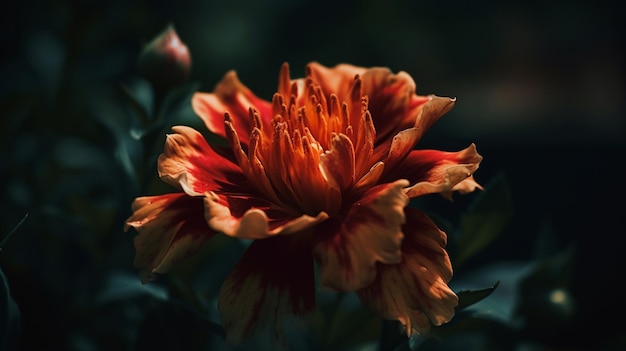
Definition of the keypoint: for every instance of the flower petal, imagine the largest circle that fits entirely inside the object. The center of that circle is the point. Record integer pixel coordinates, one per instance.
(401, 144)
(466, 186)
(415, 291)
(370, 178)
(431, 111)
(231, 96)
(273, 280)
(433, 171)
(171, 227)
(335, 80)
(337, 164)
(253, 223)
(190, 164)
(370, 232)
(393, 104)
(404, 141)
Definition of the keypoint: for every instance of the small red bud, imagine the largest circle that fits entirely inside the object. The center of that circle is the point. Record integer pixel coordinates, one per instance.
(166, 60)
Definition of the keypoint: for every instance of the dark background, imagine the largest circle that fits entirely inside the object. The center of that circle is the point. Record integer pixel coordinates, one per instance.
(540, 89)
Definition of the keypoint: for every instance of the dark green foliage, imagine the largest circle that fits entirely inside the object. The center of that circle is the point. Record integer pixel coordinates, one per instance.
(9, 317)
(470, 297)
(484, 219)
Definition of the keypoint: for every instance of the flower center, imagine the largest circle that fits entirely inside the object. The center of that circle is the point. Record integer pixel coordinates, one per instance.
(317, 154)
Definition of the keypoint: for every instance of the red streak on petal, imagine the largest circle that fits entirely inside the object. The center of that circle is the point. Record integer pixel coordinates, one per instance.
(370, 232)
(273, 280)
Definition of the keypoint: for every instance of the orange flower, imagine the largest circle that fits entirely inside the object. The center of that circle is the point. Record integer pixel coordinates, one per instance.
(323, 172)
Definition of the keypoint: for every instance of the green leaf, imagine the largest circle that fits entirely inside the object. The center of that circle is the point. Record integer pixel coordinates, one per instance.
(547, 300)
(139, 104)
(344, 324)
(175, 105)
(174, 326)
(470, 333)
(122, 286)
(470, 297)
(176, 102)
(486, 217)
(8, 236)
(10, 318)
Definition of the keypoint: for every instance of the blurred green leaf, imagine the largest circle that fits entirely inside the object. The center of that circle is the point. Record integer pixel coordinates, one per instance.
(197, 280)
(501, 303)
(486, 217)
(393, 336)
(76, 153)
(470, 297)
(405, 346)
(9, 316)
(175, 106)
(122, 286)
(468, 333)
(351, 328)
(546, 298)
(140, 103)
(8, 236)
(173, 326)
(176, 101)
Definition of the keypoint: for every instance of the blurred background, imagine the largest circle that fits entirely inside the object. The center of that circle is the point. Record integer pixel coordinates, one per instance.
(540, 89)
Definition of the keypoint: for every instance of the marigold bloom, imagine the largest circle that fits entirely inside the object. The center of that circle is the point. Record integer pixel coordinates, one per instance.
(322, 172)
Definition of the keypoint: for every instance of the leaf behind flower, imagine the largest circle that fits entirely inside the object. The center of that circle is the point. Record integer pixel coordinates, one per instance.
(485, 219)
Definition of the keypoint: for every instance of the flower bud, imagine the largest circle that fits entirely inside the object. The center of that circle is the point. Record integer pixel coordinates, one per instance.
(165, 61)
